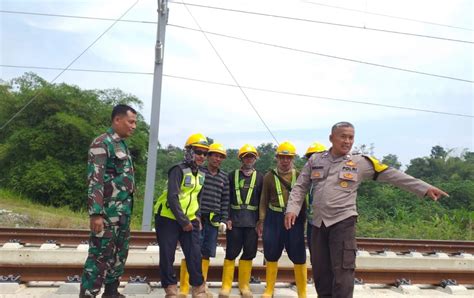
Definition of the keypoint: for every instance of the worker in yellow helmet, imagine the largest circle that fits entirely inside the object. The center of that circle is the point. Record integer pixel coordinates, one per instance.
(177, 218)
(277, 185)
(214, 205)
(316, 147)
(245, 190)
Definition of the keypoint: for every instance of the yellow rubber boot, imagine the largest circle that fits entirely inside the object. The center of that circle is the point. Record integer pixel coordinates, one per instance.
(183, 280)
(227, 278)
(301, 278)
(245, 269)
(205, 267)
(271, 275)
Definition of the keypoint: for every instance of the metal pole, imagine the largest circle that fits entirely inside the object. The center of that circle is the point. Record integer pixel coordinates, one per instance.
(155, 114)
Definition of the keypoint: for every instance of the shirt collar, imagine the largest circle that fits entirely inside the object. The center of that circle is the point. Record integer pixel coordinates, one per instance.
(113, 134)
(337, 159)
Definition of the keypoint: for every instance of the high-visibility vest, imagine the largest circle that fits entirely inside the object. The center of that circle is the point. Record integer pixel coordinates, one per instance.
(188, 196)
(246, 204)
(281, 201)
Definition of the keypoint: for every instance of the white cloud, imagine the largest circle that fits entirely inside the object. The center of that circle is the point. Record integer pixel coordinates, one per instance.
(223, 112)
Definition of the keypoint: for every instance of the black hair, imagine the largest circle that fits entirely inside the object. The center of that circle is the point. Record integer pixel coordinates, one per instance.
(121, 110)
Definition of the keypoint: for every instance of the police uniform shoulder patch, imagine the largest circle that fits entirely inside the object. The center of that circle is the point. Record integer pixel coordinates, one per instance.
(378, 166)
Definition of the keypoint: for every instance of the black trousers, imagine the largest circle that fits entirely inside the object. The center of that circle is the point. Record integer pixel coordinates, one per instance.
(241, 238)
(276, 237)
(333, 257)
(168, 233)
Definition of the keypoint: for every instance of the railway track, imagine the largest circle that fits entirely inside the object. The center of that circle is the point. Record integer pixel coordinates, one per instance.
(140, 239)
(285, 274)
(374, 266)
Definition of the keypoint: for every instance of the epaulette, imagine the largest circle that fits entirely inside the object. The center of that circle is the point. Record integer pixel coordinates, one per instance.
(379, 167)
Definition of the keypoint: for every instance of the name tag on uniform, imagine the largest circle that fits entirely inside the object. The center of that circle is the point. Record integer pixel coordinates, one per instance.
(317, 174)
(188, 182)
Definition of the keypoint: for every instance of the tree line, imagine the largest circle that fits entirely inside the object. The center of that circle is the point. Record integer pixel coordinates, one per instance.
(43, 156)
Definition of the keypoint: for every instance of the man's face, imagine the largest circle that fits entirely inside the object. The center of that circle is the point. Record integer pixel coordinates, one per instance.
(342, 140)
(248, 160)
(124, 125)
(284, 162)
(214, 159)
(199, 155)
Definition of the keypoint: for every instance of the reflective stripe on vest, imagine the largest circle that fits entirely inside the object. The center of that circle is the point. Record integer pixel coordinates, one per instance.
(215, 224)
(280, 193)
(188, 196)
(245, 205)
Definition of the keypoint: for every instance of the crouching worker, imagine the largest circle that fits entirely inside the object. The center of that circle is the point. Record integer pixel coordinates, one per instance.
(246, 187)
(177, 218)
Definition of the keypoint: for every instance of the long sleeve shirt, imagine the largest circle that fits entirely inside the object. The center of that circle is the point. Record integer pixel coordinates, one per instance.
(110, 176)
(269, 192)
(335, 181)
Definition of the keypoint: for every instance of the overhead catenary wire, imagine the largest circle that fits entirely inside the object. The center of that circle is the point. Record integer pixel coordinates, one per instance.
(273, 45)
(246, 12)
(323, 22)
(232, 76)
(323, 54)
(261, 43)
(249, 88)
(389, 16)
(69, 65)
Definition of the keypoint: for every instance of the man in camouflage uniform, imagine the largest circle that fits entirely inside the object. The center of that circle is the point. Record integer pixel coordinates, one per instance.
(111, 183)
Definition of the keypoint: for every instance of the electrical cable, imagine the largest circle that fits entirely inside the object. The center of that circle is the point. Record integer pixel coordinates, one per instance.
(249, 88)
(389, 16)
(248, 12)
(325, 23)
(322, 54)
(232, 76)
(69, 65)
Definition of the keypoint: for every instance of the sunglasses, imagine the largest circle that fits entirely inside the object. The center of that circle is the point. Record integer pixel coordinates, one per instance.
(200, 152)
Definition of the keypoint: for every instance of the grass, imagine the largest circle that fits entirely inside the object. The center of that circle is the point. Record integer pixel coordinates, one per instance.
(27, 214)
(30, 214)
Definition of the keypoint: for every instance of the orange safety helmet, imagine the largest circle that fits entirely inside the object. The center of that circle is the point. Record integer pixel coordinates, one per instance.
(247, 148)
(197, 140)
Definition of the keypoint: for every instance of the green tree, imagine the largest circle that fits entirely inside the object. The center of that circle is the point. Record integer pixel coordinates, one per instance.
(392, 160)
(43, 151)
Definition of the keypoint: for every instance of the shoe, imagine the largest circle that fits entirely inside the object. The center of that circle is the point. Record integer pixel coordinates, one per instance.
(200, 292)
(171, 291)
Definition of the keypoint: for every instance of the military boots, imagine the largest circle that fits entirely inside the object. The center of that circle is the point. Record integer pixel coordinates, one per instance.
(111, 290)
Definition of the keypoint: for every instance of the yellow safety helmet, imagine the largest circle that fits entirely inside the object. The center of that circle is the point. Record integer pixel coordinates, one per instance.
(247, 148)
(217, 147)
(197, 140)
(286, 148)
(314, 148)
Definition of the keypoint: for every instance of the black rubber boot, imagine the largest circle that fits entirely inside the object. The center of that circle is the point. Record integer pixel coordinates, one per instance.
(111, 290)
(82, 294)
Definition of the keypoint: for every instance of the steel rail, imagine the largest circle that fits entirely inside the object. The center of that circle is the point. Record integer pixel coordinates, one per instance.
(140, 238)
(381, 276)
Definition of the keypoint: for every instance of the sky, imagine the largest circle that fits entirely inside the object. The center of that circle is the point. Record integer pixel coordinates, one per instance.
(319, 68)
